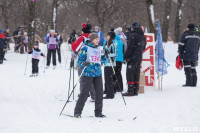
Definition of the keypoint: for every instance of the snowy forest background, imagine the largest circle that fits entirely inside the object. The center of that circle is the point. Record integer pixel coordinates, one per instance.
(65, 15)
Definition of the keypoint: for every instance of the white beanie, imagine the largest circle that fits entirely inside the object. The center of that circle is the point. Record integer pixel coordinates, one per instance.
(52, 31)
(118, 30)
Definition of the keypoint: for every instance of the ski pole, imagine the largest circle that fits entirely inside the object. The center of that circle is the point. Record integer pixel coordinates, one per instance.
(69, 82)
(26, 64)
(73, 90)
(116, 79)
(73, 81)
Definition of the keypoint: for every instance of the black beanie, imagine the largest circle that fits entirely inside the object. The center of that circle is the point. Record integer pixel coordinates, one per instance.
(86, 28)
(36, 43)
(191, 26)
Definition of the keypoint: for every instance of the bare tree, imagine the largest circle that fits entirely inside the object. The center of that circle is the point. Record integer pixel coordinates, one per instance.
(31, 24)
(166, 19)
(178, 21)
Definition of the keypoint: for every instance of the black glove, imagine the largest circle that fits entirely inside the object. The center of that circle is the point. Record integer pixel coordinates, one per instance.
(86, 63)
(107, 52)
(72, 63)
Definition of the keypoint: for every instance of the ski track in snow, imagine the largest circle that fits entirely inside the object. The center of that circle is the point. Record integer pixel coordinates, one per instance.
(28, 105)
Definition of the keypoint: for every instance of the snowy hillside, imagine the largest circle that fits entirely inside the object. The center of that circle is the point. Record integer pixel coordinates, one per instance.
(28, 105)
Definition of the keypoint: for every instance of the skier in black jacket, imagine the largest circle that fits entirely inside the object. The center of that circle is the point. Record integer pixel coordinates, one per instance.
(133, 57)
(188, 50)
(7, 47)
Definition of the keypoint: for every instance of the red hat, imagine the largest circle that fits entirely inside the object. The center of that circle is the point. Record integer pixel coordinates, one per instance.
(86, 28)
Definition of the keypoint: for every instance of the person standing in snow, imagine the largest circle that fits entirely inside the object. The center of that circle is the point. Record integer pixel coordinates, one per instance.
(52, 41)
(188, 50)
(25, 41)
(133, 57)
(121, 43)
(6, 34)
(91, 59)
(100, 35)
(36, 53)
(2, 46)
(76, 47)
(60, 41)
(111, 48)
(16, 38)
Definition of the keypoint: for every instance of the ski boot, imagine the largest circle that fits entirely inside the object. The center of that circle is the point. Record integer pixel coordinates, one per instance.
(130, 91)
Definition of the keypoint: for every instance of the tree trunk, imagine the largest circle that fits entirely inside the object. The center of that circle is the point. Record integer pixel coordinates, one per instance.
(54, 14)
(31, 24)
(178, 21)
(150, 13)
(4, 12)
(166, 19)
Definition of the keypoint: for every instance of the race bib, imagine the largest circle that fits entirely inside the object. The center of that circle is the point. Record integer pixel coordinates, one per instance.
(52, 40)
(94, 55)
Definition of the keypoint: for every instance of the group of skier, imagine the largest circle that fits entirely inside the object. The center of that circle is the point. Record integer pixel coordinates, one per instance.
(92, 50)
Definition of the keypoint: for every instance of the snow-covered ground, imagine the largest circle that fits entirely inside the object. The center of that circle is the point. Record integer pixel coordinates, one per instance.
(28, 105)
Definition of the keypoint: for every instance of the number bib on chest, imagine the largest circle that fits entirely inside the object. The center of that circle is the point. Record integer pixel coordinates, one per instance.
(94, 55)
(52, 40)
(36, 55)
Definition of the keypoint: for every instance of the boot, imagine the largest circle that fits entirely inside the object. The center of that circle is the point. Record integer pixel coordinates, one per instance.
(130, 91)
(99, 114)
(136, 89)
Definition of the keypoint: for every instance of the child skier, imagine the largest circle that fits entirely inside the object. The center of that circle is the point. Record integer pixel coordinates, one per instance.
(52, 42)
(110, 45)
(90, 60)
(36, 53)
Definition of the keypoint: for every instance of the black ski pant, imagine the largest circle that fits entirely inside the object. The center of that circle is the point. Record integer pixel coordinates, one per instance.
(133, 75)
(53, 53)
(35, 68)
(58, 49)
(118, 77)
(98, 86)
(109, 85)
(91, 90)
(190, 73)
(1, 55)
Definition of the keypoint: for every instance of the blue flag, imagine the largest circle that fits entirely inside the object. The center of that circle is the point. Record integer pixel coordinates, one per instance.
(160, 61)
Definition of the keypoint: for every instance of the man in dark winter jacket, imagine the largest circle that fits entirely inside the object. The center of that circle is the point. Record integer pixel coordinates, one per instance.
(188, 50)
(133, 56)
(16, 38)
(2, 46)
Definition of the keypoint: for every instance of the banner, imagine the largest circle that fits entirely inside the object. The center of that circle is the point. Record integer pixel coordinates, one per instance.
(148, 63)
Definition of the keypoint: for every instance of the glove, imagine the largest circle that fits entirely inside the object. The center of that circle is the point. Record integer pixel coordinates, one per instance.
(107, 52)
(86, 63)
(28, 51)
(72, 63)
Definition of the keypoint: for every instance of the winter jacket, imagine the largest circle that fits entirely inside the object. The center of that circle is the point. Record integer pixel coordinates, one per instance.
(78, 44)
(60, 40)
(2, 41)
(92, 54)
(101, 37)
(36, 53)
(189, 45)
(120, 45)
(6, 35)
(113, 53)
(52, 42)
(136, 46)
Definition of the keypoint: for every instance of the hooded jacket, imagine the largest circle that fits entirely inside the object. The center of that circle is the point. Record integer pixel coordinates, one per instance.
(93, 69)
(136, 46)
(188, 47)
(120, 46)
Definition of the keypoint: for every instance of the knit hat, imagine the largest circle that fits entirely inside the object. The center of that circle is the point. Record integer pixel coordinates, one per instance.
(36, 43)
(86, 28)
(135, 24)
(93, 36)
(191, 26)
(52, 31)
(118, 30)
(111, 34)
(0, 30)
